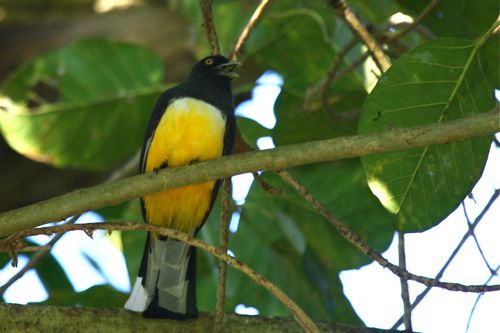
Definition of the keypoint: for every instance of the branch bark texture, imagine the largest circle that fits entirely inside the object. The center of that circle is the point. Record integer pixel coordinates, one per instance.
(300, 316)
(113, 193)
(44, 318)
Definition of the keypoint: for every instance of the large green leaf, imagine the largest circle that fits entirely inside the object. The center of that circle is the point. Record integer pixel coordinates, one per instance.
(440, 80)
(82, 106)
(464, 19)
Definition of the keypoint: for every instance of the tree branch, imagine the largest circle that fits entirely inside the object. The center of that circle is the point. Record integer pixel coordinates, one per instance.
(130, 168)
(305, 322)
(473, 235)
(405, 293)
(415, 22)
(469, 232)
(493, 274)
(46, 318)
(256, 16)
(356, 240)
(381, 60)
(223, 233)
(208, 24)
(324, 84)
(82, 200)
(34, 259)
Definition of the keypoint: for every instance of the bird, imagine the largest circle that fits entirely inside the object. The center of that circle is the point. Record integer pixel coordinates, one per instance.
(191, 122)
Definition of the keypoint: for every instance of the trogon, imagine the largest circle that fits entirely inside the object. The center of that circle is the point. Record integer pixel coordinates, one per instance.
(191, 122)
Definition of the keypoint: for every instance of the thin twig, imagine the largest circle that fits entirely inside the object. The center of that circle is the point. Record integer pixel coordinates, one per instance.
(355, 64)
(34, 260)
(300, 316)
(411, 26)
(356, 240)
(129, 168)
(256, 16)
(380, 58)
(493, 274)
(34, 248)
(208, 24)
(421, 296)
(332, 72)
(268, 188)
(405, 293)
(323, 85)
(469, 224)
(223, 234)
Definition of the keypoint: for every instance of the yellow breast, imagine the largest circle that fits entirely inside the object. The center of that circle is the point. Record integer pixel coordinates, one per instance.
(189, 131)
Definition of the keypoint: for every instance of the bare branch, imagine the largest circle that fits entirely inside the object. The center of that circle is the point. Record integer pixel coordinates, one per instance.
(469, 225)
(416, 22)
(352, 66)
(49, 318)
(356, 240)
(89, 228)
(221, 286)
(34, 260)
(130, 167)
(493, 274)
(208, 24)
(323, 85)
(405, 293)
(256, 16)
(279, 158)
(343, 10)
(454, 253)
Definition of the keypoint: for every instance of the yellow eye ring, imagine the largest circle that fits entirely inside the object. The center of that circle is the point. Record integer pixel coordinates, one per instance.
(209, 61)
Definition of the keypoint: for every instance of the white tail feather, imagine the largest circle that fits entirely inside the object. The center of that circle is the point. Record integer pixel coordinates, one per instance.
(172, 284)
(166, 272)
(138, 299)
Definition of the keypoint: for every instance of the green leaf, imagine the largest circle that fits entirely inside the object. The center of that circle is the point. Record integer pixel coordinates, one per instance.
(95, 296)
(441, 80)
(464, 19)
(251, 130)
(100, 296)
(298, 250)
(83, 106)
(295, 125)
(297, 29)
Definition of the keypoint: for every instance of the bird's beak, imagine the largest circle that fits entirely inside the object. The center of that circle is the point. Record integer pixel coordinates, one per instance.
(229, 69)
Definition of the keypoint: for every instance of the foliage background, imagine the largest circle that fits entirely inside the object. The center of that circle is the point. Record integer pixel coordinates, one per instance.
(82, 110)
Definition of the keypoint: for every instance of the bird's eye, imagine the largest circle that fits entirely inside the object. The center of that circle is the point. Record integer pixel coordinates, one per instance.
(209, 61)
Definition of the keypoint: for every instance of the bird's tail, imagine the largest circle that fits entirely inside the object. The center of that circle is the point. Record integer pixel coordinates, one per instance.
(165, 287)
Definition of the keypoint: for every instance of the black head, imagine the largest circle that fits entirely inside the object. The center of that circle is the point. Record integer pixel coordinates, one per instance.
(216, 66)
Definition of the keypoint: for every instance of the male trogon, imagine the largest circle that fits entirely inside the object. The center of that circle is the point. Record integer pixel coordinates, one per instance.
(191, 122)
